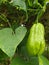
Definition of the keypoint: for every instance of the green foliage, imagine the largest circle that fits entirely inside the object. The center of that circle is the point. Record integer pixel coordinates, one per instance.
(19, 61)
(9, 41)
(3, 1)
(20, 3)
(41, 60)
(16, 19)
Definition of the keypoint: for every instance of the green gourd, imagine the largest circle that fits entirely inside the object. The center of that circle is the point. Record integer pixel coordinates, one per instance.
(36, 42)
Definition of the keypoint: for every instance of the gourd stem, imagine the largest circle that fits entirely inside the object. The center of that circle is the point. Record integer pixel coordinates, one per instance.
(40, 13)
(36, 20)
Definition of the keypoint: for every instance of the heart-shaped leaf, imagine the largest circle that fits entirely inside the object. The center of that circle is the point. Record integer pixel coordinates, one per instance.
(9, 41)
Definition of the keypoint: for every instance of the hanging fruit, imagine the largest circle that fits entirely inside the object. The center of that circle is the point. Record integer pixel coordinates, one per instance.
(36, 42)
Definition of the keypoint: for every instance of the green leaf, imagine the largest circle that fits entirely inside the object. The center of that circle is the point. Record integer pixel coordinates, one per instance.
(34, 60)
(9, 41)
(19, 3)
(3, 1)
(43, 60)
(18, 61)
(31, 2)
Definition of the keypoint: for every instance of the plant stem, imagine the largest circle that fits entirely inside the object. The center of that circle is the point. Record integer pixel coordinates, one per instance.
(40, 13)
